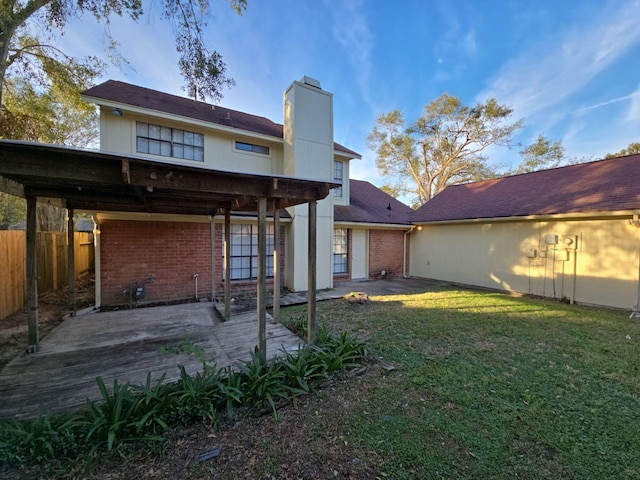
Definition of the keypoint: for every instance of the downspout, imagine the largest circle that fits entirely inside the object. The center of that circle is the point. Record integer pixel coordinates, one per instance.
(97, 272)
(404, 252)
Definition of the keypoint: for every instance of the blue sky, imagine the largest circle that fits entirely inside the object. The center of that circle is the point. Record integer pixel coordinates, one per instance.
(570, 69)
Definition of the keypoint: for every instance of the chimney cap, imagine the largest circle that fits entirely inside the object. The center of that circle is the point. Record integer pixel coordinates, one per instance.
(312, 82)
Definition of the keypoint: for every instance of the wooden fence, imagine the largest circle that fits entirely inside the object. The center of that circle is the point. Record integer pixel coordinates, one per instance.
(52, 264)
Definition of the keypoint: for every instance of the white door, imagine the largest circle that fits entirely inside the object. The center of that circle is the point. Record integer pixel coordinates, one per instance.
(360, 254)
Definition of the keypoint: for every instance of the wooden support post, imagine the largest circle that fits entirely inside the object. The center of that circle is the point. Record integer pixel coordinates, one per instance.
(262, 279)
(276, 262)
(32, 273)
(227, 264)
(213, 258)
(312, 327)
(71, 262)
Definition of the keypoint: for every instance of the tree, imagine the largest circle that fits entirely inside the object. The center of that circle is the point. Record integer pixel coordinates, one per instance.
(203, 71)
(443, 146)
(49, 114)
(12, 210)
(540, 155)
(632, 149)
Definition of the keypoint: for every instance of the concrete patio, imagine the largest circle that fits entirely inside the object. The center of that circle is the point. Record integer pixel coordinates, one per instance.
(127, 345)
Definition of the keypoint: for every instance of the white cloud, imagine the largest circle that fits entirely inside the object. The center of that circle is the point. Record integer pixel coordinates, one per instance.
(530, 84)
(351, 31)
(633, 113)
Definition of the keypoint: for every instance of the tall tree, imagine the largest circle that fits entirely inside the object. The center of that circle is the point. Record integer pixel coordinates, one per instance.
(443, 146)
(541, 154)
(203, 70)
(632, 149)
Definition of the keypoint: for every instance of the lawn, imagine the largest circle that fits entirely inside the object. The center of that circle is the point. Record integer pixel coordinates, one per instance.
(493, 386)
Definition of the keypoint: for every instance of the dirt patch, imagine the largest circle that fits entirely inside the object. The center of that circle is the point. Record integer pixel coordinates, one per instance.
(52, 307)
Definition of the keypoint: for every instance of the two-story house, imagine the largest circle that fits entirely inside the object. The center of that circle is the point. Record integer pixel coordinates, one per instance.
(361, 231)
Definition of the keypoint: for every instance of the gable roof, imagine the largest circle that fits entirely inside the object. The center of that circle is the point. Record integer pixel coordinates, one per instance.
(369, 204)
(126, 93)
(601, 186)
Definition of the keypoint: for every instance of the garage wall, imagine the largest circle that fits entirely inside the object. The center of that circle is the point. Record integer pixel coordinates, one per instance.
(499, 255)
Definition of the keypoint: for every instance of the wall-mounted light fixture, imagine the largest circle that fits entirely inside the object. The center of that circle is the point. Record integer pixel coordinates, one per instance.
(117, 112)
(634, 222)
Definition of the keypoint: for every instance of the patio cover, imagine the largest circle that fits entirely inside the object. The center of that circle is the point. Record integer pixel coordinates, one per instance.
(99, 181)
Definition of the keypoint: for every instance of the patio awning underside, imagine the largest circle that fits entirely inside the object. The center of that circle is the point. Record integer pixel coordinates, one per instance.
(98, 181)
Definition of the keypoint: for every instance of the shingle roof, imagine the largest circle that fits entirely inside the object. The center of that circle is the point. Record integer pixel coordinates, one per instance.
(601, 186)
(369, 204)
(128, 94)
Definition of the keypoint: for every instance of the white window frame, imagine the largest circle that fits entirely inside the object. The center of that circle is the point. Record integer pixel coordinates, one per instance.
(244, 251)
(340, 263)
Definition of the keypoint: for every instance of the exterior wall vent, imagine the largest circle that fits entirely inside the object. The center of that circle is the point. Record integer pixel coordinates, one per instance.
(312, 82)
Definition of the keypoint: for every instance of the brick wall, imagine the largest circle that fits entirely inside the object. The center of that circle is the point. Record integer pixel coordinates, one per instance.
(385, 252)
(169, 251)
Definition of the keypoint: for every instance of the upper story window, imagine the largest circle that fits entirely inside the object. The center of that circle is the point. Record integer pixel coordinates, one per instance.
(250, 147)
(338, 177)
(169, 142)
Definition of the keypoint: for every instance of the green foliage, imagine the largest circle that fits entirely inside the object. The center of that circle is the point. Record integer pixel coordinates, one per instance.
(37, 62)
(263, 382)
(12, 210)
(41, 440)
(142, 413)
(443, 146)
(198, 397)
(121, 416)
(632, 149)
(41, 96)
(541, 154)
(341, 353)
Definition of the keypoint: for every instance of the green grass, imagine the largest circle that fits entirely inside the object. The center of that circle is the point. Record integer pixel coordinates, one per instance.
(493, 386)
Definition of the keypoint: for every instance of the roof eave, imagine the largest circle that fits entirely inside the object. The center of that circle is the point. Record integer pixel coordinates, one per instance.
(542, 217)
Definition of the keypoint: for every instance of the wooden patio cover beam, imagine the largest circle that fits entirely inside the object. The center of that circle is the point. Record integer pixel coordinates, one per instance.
(92, 180)
(97, 180)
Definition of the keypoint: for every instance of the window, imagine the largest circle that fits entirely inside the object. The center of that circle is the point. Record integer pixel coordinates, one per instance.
(169, 142)
(244, 252)
(340, 250)
(338, 177)
(249, 147)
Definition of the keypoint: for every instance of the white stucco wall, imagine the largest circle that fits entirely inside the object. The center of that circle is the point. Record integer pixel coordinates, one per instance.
(495, 255)
(118, 134)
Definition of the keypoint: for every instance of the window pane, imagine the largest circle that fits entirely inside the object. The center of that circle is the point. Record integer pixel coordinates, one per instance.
(142, 129)
(165, 134)
(247, 147)
(198, 140)
(188, 138)
(142, 145)
(261, 149)
(165, 149)
(178, 150)
(198, 154)
(188, 152)
(154, 147)
(154, 131)
(178, 136)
